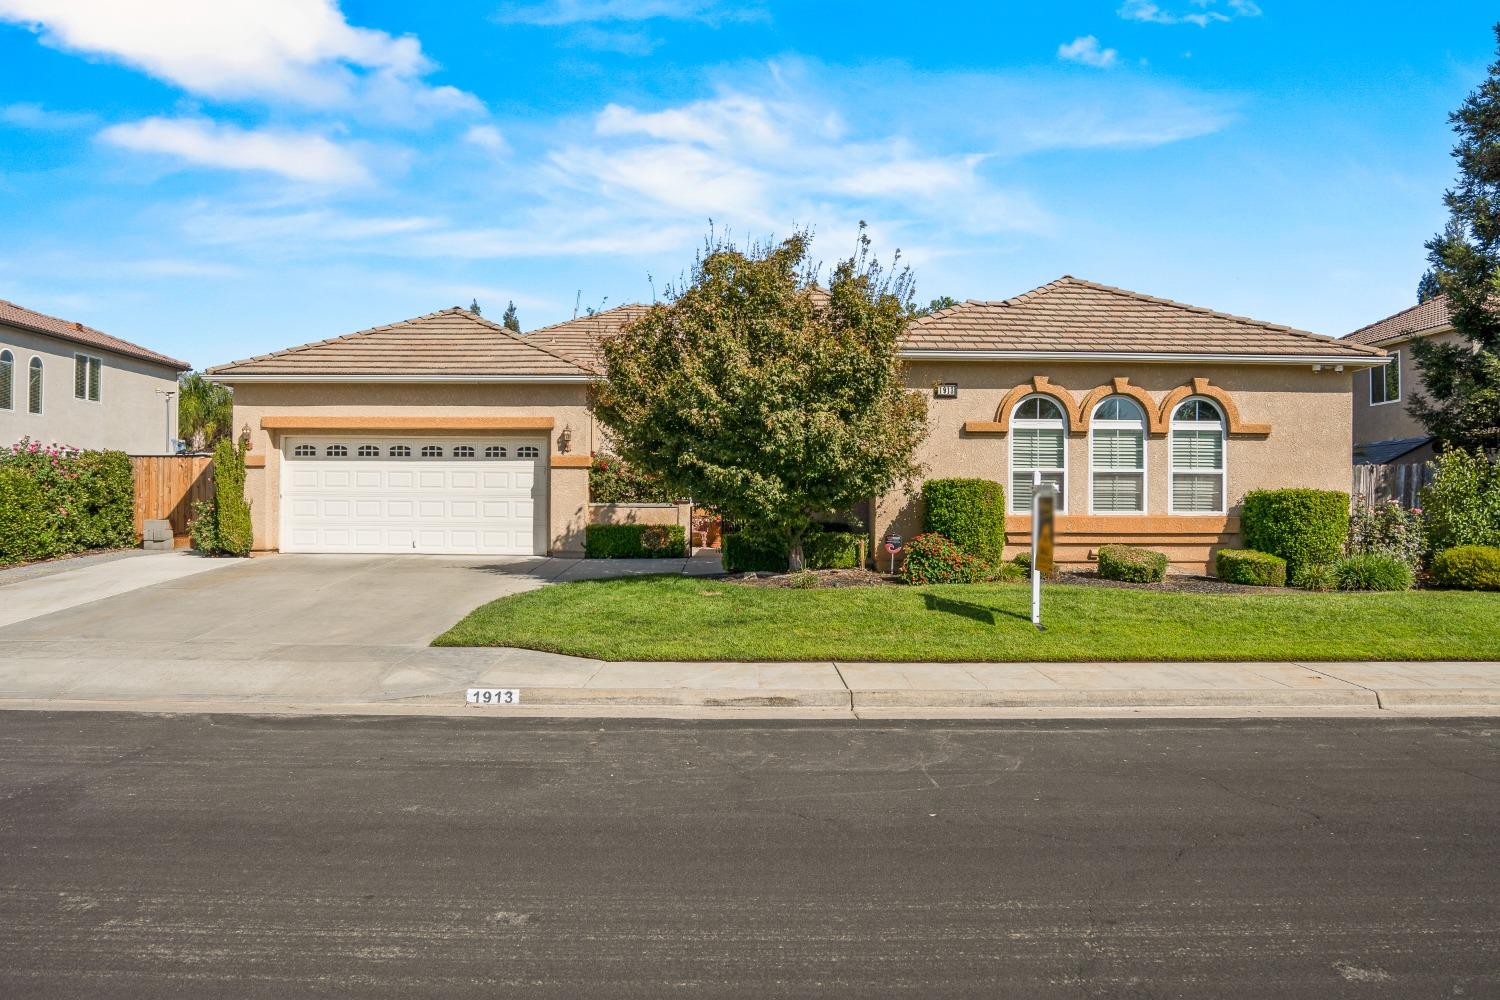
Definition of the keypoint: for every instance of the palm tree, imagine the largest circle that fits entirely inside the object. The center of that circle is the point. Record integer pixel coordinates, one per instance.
(205, 411)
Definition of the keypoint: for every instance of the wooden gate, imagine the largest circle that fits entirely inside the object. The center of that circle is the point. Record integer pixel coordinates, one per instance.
(1401, 482)
(167, 485)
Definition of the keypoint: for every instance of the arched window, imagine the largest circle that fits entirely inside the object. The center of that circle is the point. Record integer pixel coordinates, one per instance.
(7, 381)
(304, 451)
(400, 451)
(1038, 443)
(1198, 470)
(1117, 457)
(368, 451)
(432, 451)
(34, 387)
(336, 451)
(494, 451)
(527, 451)
(463, 451)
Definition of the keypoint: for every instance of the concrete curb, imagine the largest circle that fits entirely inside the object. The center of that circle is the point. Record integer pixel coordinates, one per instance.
(1119, 698)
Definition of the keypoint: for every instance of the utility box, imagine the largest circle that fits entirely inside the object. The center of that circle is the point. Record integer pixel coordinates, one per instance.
(156, 534)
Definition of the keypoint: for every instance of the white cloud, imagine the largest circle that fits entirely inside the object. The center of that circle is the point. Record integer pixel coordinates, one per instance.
(296, 155)
(488, 138)
(25, 114)
(553, 13)
(1207, 13)
(1086, 50)
(294, 51)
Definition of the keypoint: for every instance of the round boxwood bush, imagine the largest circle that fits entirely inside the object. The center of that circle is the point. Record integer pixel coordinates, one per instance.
(1302, 526)
(1469, 567)
(931, 558)
(1373, 571)
(1255, 569)
(1132, 564)
(968, 512)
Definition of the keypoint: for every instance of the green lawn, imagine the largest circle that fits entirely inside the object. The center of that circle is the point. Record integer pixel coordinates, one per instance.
(679, 618)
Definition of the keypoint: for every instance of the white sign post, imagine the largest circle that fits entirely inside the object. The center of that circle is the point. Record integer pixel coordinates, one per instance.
(1043, 511)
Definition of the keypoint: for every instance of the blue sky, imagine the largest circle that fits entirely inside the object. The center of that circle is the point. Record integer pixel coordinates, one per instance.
(218, 180)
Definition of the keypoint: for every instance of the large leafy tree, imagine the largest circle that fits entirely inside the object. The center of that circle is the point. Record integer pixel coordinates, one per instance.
(752, 391)
(1460, 403)
(205, 411)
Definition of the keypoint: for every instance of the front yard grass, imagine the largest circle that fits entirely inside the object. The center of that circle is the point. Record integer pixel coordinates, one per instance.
(680, 618)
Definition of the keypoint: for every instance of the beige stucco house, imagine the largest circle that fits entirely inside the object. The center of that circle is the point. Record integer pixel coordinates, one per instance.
(66, 383)
(1384, 429)
(448, 433)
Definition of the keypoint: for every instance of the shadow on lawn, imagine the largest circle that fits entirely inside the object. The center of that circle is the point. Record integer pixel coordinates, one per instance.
(981, 613)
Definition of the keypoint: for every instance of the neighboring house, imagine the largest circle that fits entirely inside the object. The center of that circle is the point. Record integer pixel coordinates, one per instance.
(67, 383)
(1385, 431)
(1153, 418)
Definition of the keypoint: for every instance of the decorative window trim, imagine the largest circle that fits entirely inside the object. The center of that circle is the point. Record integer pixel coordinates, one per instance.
(1234, 425)
(1040, 385)
(1143, 425)
(1222, 470)
(1378, 377)
(1155, 422)
(92, 371)
(36, 384)
(1023, 423)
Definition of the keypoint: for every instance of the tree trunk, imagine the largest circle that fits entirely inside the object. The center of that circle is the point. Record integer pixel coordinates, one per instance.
(795, 563)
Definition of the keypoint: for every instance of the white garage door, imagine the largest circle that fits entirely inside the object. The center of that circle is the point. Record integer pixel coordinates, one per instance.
(475, 495)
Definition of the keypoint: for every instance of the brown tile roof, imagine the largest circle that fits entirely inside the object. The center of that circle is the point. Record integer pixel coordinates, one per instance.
(580, 338)
(1073, 315)
(30, 319)
(452, 342)
(1429, 315)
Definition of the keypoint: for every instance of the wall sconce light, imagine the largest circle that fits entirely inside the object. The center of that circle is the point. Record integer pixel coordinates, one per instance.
(565, 439)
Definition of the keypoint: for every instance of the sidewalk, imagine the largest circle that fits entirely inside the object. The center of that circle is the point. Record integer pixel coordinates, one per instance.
(409, 679)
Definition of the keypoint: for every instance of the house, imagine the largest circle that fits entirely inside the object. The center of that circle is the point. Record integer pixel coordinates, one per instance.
(1385, 432)
(448, 433)
(67, 383)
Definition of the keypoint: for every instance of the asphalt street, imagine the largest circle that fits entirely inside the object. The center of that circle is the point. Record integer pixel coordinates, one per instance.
(196, 856)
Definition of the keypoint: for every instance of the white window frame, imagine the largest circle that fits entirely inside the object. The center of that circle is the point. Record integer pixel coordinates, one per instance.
(528, 451)
(89, 383)
(37, 365)
(8, 357)
(1137, 425)
(1380, 373)
(1016, 423)
(1222, 426)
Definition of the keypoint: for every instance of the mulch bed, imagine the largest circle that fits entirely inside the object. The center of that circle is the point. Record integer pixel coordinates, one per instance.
(1185, 583)
(832, 578)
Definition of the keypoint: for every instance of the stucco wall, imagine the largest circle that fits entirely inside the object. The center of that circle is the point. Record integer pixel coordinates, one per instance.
(567, 404)
(1308, 445)
(131, 415)
(1390, 421)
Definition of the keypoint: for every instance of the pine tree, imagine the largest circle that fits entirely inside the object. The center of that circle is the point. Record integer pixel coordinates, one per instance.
(509, 320)
(474, 307)
(1428, 288)
(1460, 402)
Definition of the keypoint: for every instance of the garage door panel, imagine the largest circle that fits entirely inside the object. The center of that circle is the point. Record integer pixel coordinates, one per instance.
(367, 501)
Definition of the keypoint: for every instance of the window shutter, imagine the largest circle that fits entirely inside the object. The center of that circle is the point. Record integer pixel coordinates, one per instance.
(1198, 449)
(1119, 492)
(96, 375)
(1038, 448)
(1194, 493)
(1118, 448)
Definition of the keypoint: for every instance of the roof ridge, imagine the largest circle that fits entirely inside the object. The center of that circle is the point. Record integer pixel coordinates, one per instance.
(118, 345)
(596, 315)
(519, 338)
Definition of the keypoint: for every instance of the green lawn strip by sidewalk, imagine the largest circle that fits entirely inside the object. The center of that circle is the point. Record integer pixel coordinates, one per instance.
(679, 618)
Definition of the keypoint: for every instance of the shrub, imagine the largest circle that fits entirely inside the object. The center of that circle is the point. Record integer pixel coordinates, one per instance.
(634, 541)
(1469, 567)
(234, 535)
(968, 512)
(1461, 506)
(1373, 571)
(1023, 560)
(1300, 526)
(1132, 564)
(931, 558)
(805, 580)
(833, 550)
(27, 527)
(1256, 569)
(74, 500)
(745, 552)
(1386, 529)
(613, 480)
(1315, 576)
(203, 527)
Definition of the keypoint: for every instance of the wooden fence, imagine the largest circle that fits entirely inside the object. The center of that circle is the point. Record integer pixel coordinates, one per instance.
(167, 485)
(1399, 482)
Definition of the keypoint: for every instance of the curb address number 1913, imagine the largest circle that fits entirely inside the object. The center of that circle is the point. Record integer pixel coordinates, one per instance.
(493, 696)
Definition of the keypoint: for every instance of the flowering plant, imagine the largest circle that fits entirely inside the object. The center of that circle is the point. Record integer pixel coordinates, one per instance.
(1386, 529)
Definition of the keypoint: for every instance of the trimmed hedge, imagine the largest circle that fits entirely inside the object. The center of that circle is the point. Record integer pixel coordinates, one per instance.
(747, 553)
(1469, 567)
(634, 541)
(1255, 569)
(931, 558)
(1132, 564)
(968, 512)
(1301, 526)
(833, 550)
(56, 500)
(1374, 571)
(744, 553)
